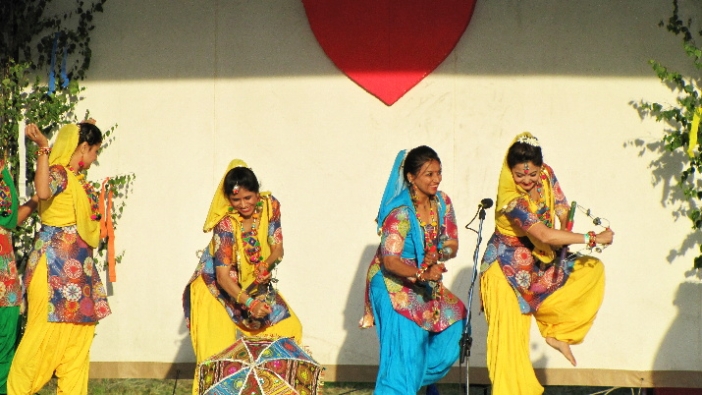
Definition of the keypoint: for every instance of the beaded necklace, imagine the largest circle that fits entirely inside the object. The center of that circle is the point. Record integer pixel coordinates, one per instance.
(252, 247)
(430, 230)
(430, 242)
(543, 211)
(92, 195)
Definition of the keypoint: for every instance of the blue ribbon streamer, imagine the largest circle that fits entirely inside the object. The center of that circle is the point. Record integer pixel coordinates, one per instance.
(52, 71)
(64, 75)
(52, 68)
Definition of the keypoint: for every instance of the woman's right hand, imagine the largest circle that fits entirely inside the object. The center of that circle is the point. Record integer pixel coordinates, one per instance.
(605, 237)
(434, 272)
(33, 133)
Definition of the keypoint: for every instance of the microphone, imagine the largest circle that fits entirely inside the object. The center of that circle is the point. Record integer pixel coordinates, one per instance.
(485, 203)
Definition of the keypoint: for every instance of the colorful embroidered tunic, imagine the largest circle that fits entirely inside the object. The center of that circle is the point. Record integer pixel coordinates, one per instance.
(409, 298)
(532, 279)
(77, 294)
(10, 287)
(225, 250)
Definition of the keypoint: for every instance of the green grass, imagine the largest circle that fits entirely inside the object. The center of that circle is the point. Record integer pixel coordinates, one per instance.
(454, 389)
(184, 387)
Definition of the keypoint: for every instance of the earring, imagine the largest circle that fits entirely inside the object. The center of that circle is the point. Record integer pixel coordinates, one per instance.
(81, 165)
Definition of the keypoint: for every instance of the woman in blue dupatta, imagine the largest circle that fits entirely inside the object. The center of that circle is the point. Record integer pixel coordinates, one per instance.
(418, 321)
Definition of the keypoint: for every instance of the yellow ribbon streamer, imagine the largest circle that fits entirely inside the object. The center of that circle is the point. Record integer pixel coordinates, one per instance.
(693, 132)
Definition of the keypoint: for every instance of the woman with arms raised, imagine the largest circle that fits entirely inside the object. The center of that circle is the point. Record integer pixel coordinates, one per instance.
(65, 295)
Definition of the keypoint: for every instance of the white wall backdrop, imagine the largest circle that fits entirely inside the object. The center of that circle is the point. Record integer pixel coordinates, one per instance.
(193, 84)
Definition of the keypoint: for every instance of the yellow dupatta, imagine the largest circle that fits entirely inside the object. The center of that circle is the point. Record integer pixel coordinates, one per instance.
(219, 209)
(57, 211)
(508, 191)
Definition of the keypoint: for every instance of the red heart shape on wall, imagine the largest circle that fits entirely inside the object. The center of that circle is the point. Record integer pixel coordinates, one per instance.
(388, 46)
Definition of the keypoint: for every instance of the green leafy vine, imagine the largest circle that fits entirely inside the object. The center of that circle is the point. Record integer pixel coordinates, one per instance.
(30, 38)
(680, 121)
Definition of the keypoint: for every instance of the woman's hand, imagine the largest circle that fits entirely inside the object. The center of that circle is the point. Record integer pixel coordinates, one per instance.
(434, 272)
(430, 258)
(33, 133)
(262, 274)
(605, 237)
(260, 309)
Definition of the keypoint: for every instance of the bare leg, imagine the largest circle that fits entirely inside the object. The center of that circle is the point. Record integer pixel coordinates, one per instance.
(563, 347)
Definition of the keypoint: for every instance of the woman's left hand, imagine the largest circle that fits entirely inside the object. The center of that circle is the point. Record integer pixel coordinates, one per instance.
(262, 279)
(430, 258)
(262, 274)
(605, 237)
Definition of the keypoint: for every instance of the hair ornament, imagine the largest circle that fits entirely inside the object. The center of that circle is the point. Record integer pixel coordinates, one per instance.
(531, 140)
(235, 189)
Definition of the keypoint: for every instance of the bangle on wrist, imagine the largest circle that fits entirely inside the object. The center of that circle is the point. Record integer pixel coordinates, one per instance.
(250, 301)
(43, 151)
(420, 271)
(591, 239)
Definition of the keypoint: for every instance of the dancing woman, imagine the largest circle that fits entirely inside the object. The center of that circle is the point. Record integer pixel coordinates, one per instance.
(521, 276)
(65, 295)
(247, 243)
(11, 215)
(418, 321)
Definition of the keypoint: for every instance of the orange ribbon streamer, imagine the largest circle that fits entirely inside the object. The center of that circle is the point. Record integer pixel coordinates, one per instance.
(107, 229)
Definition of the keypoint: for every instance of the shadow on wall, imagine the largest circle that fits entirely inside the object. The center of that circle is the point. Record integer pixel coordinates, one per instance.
(680, 341)
(475, 362)
(666, 169)
(358, 355)
(185, 351)
(183, 370)
(176, 39)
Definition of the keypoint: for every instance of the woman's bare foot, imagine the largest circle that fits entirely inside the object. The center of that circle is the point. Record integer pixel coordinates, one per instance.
(563, 347)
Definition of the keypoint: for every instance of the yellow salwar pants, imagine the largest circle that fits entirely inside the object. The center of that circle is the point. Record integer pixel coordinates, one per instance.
(48, 347)
(566, 315)
(212, 330)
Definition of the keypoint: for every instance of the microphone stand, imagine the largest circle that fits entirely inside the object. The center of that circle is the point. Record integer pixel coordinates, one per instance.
(466, 341)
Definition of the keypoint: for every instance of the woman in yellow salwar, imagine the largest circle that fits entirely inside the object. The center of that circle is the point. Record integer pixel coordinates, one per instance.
(247, 244)
(65, 295)
(521, 277)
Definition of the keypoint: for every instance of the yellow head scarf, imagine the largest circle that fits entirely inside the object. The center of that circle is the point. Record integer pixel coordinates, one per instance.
(508, 190)
(219, 208)
(61, 153)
